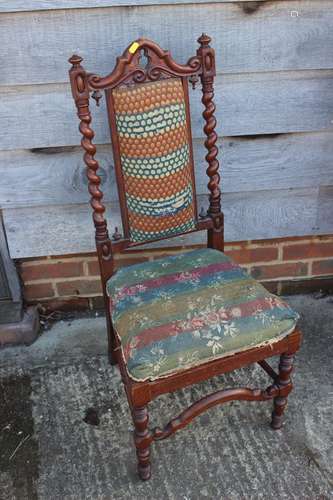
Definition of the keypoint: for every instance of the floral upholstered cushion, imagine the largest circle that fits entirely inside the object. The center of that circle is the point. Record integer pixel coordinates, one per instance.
(184, 310)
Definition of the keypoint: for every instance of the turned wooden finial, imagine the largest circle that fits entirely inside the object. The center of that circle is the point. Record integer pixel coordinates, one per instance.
(204, 40)
(116, 235)
(75, 60)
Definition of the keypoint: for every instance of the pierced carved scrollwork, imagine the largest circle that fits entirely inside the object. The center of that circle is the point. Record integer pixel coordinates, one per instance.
(129, 68)
(146, 71)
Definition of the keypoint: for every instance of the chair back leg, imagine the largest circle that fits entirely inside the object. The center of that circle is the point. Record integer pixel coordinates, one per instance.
(283, 381)
(142, 440)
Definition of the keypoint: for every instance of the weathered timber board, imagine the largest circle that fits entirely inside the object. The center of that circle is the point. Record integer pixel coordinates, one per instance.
(247, 36)
(31, 5)
(56, 176)
(59, 229)
(260, 103)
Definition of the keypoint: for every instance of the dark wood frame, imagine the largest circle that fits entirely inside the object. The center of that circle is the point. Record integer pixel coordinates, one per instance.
(129, 71)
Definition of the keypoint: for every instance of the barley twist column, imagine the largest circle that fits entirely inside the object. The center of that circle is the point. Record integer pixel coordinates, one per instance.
(207, 57)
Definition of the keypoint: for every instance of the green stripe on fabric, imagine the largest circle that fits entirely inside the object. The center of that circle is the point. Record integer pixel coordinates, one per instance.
(149, 123)
(249, 339)
(152, 314)
(185, 261)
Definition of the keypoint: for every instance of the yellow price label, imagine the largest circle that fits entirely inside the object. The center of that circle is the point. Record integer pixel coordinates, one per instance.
(134, 47)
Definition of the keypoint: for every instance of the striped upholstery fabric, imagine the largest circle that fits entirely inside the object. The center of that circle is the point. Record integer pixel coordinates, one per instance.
(155, 158)
(184, 310)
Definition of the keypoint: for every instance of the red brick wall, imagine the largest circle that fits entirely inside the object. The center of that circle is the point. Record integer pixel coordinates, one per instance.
(285, 265)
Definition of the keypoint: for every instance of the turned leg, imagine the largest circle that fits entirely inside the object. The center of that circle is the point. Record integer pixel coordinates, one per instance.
(284, 383)
(142, 440)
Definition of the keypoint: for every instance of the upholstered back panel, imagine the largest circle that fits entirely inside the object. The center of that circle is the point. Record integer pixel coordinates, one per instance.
(155, 158)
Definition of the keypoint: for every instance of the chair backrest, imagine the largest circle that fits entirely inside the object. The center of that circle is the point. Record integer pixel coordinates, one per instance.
(152, 146)
(149, 116)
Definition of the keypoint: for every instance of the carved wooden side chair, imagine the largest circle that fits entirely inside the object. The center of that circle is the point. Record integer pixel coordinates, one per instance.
(182, 319)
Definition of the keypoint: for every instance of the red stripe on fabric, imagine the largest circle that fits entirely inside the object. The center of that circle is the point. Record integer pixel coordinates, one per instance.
(173, 278)
(155, 334)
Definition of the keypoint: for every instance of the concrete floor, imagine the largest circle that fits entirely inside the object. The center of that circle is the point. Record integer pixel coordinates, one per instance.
(47, 452)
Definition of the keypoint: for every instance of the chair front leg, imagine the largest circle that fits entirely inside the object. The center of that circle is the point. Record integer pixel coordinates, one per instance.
(142, 439)
(285, 385)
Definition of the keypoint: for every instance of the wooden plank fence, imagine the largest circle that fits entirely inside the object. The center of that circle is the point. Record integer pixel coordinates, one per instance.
(274, 95)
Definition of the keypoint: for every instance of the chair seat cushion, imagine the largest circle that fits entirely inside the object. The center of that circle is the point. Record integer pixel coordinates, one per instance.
(187, 309)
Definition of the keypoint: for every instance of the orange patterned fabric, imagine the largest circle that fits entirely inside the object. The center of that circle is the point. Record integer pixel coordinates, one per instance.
(133, 146)
(158, 187)
(155, 158)
(161, 93)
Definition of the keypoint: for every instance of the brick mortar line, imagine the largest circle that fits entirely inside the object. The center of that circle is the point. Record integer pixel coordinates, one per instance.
(297, 240)
(54, 260)
(286, 244)
(249, 266)
(61, 297)
(62, 280)
(295, 278)
(289, 261)
(55, 290)
(314, 239)
(280, 252)
(272, 243)
(310, 242)
(309, 259)
(80, 295)
(85, 268)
